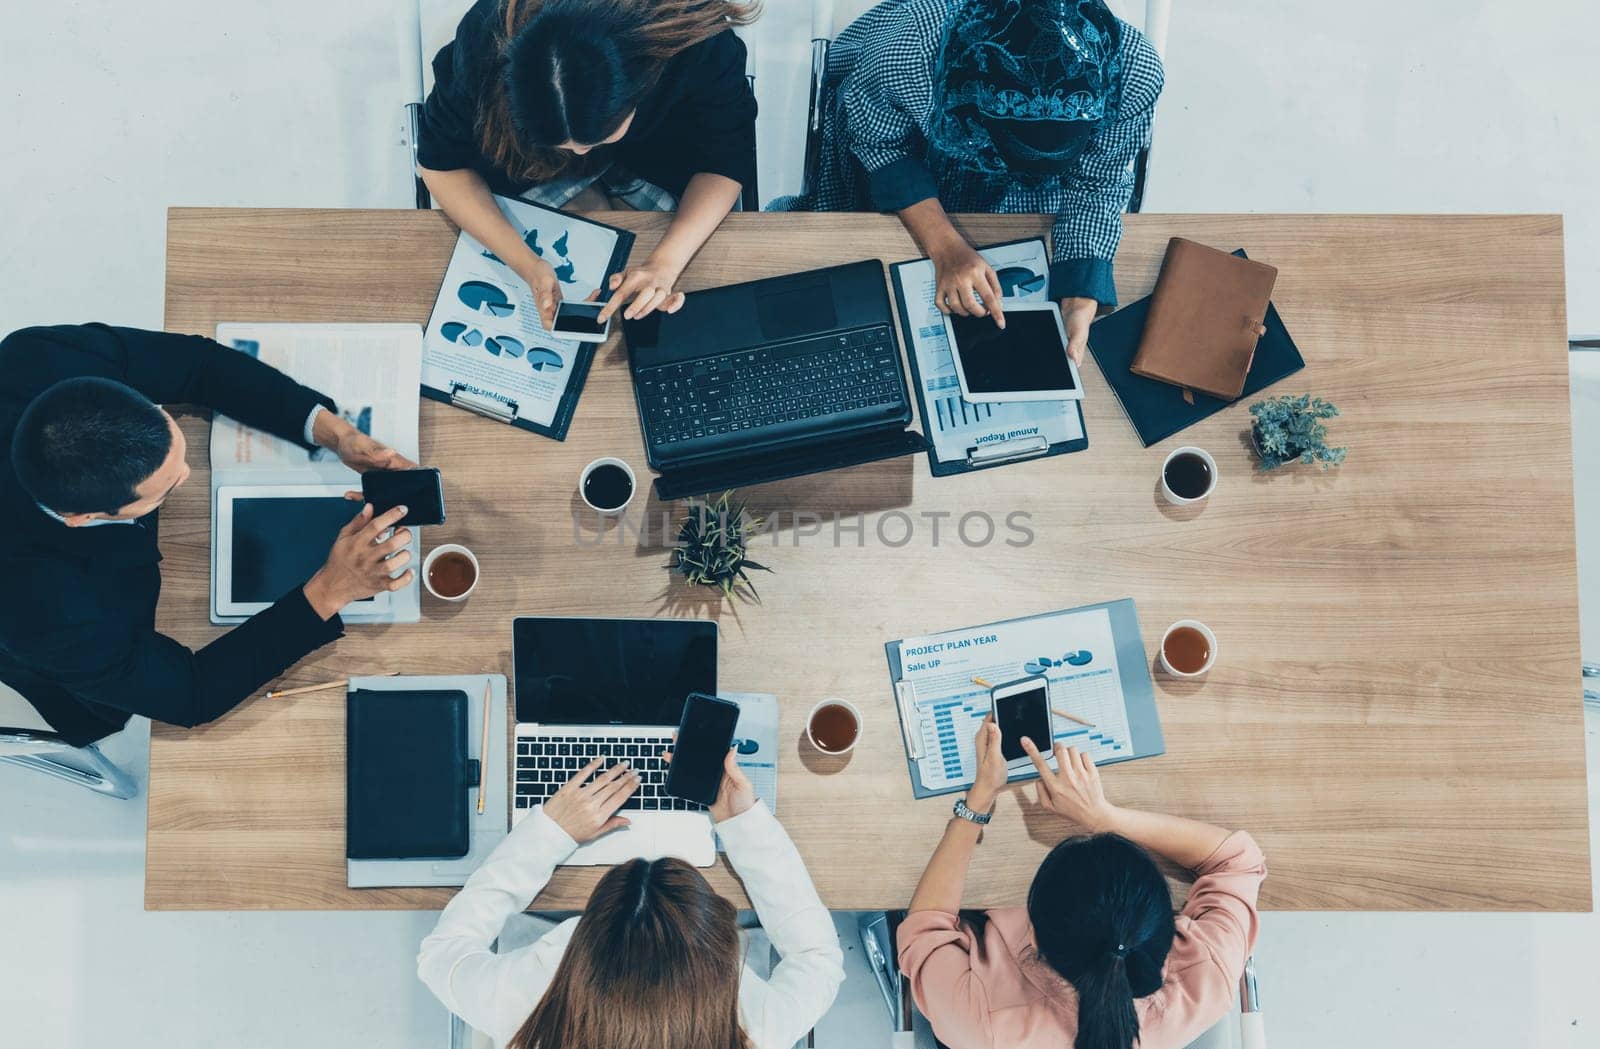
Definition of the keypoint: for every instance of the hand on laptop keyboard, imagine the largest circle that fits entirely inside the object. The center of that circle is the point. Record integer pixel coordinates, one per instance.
(544, 764)
(586, 805)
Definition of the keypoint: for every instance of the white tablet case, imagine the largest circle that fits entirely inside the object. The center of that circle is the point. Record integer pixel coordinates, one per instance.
(380, 609)
(489, 828)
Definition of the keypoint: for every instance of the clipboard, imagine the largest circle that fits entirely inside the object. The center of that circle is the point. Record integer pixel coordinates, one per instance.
(493, 404)
(1133, 665)
(991, 455)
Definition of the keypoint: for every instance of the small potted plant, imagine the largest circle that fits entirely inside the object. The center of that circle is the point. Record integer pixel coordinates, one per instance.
(712, 544)
(1289, 429)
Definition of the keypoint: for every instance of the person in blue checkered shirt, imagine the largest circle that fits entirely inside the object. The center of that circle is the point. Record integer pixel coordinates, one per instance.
(1020, 106)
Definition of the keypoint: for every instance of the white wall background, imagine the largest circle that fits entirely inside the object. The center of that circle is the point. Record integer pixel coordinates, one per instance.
(111, 112)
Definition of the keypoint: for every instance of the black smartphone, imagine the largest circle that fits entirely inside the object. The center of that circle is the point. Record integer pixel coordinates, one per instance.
(704, 735)
(1022, 708)
(421, 492)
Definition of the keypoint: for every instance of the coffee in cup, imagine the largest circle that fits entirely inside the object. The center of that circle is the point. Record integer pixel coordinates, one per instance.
(607, 485)
(834, 726)
(1188, 648)
(450, 572)
(1188, 475)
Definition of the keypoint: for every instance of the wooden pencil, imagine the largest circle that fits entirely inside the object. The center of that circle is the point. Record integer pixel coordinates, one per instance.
(483, 748)
(303, 689)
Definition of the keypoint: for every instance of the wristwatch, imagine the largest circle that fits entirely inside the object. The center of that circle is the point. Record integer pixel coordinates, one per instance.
(960, 811)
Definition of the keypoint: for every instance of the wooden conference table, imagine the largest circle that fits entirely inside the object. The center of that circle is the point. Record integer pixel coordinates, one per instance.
(1395, 714)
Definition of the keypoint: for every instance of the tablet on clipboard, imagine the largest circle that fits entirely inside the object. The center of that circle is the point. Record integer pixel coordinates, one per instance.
(1024, 361)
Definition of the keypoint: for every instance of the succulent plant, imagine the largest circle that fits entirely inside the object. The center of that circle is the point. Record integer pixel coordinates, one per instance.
(1289, 429)
(712, 545)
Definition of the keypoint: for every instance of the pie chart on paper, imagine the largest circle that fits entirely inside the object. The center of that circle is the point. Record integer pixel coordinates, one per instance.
(542, 360)
(485, 298)
(504, 344)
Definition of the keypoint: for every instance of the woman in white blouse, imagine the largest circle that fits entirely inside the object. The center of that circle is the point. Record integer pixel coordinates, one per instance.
(654, 960)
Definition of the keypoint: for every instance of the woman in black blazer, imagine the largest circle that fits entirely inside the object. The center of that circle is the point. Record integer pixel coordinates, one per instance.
(644, 100)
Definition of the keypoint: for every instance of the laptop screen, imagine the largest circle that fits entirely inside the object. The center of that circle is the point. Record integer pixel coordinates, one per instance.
(610, 671)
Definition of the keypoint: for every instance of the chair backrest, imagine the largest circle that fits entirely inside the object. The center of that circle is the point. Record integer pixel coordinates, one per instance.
(22, 730)
(1150, 16)
(436, 27)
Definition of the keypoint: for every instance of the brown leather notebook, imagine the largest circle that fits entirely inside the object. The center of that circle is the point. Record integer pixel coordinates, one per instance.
(1201, 331)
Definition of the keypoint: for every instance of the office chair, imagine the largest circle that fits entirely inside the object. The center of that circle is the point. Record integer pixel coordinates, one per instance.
(1242, 1029)
(1585, 371)
(433, 24)
(828, 17)
(27, 740)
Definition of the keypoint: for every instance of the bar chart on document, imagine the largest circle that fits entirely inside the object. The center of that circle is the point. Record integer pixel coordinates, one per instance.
(1075, 652)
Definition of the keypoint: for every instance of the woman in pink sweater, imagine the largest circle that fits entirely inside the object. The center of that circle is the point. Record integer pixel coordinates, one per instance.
(1096, 960)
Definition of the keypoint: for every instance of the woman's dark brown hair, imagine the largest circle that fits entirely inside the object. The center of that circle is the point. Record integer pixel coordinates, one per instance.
(654, 963)
(572, 71)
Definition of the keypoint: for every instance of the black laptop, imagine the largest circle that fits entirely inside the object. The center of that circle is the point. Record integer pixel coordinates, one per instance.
(771, 379)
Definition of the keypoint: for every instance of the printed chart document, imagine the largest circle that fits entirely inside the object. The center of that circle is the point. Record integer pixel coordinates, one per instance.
(1075, 651)
(486, 347)
(954, 425)
(372, 372)
(756, 741)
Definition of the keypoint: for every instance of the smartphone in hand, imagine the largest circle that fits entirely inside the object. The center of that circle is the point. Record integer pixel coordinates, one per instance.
(581, 321)
(704, 736)
(1022, 708)
(421, 492)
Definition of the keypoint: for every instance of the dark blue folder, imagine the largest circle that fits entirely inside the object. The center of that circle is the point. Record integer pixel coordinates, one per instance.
(1157, 409)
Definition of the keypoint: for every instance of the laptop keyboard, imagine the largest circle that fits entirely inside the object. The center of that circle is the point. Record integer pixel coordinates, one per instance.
(544, 764)
(753, 389)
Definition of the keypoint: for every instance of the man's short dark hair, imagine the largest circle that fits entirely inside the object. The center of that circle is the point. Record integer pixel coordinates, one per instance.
(84, 445)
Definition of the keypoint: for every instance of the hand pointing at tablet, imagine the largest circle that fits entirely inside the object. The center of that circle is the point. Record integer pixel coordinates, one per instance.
(361, 562)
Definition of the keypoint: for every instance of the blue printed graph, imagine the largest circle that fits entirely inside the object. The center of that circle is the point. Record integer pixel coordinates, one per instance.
(455, 331)
(1079, 658)
(485, 298)
(542, 360)
(1018, 280)
(504, 344)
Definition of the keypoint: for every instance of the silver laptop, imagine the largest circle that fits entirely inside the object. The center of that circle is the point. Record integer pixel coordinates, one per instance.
(611, 688)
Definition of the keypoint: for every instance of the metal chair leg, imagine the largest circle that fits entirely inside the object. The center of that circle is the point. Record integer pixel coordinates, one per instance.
(85, 766)
(413, 115)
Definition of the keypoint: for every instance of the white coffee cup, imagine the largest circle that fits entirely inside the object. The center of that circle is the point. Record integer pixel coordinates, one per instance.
(1174, 497)
(583, 483)
(450, 548)
(1211, 645)
(834, 701)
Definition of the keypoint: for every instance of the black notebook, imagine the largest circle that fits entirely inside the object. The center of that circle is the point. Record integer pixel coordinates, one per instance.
(1157, 409)
(409, 778)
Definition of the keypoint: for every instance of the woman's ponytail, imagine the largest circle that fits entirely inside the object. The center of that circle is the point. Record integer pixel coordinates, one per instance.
(1102, 918)
(1106, 1018)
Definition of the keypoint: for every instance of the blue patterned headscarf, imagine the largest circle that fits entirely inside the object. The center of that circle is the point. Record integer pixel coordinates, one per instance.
(1022, 85)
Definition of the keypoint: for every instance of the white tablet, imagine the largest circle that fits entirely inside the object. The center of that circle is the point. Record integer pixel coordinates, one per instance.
(272, 538)
(1025, 361)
